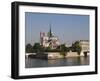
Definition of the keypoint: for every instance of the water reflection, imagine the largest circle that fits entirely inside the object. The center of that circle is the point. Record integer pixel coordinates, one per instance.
(74, 61)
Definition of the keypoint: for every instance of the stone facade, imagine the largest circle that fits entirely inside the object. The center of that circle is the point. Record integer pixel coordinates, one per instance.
(49, 40)
(85, 45)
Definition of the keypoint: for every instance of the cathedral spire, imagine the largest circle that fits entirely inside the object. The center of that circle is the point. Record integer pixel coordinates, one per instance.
(50, 31)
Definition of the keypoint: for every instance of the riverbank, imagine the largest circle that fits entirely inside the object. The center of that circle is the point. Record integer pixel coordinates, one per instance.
(55, 55)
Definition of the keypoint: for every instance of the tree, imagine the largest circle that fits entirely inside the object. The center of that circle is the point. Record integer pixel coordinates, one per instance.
(76, 47)
(38, 48)
(63, 49)
(28, 48)
(47, 49)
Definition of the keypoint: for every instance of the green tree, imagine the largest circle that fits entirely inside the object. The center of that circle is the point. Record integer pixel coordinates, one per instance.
(47, 49)
(76, 47)
(28, 48)
(38, 48)
(63, 49)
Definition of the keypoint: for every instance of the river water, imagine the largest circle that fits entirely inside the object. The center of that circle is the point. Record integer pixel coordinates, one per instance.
(71, 61)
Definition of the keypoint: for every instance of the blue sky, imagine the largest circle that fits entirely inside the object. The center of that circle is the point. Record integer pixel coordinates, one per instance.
(67, 27)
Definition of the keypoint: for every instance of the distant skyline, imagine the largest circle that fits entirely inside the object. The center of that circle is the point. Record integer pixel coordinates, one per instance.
(67, 27)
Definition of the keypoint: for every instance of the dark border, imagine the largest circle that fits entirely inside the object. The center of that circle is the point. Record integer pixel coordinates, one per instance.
(15, 39)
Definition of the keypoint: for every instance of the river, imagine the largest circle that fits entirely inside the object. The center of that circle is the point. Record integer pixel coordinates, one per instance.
(71, 61)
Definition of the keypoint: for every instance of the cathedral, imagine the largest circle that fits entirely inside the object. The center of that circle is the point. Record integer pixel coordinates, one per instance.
(49, 40)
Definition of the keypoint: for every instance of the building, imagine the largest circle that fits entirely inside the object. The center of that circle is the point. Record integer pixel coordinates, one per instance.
(85, 45)
(49, 40)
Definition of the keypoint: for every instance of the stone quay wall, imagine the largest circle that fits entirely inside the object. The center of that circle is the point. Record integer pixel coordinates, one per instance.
(56, 55)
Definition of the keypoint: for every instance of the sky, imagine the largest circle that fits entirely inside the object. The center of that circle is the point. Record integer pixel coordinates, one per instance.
(67, 27)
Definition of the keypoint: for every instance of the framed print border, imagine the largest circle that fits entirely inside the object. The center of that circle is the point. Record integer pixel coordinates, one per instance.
(15, 10)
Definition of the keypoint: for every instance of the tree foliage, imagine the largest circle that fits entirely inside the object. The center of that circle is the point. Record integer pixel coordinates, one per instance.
(38, 48)
(29, 48)
(63, 49)
(76, 47)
